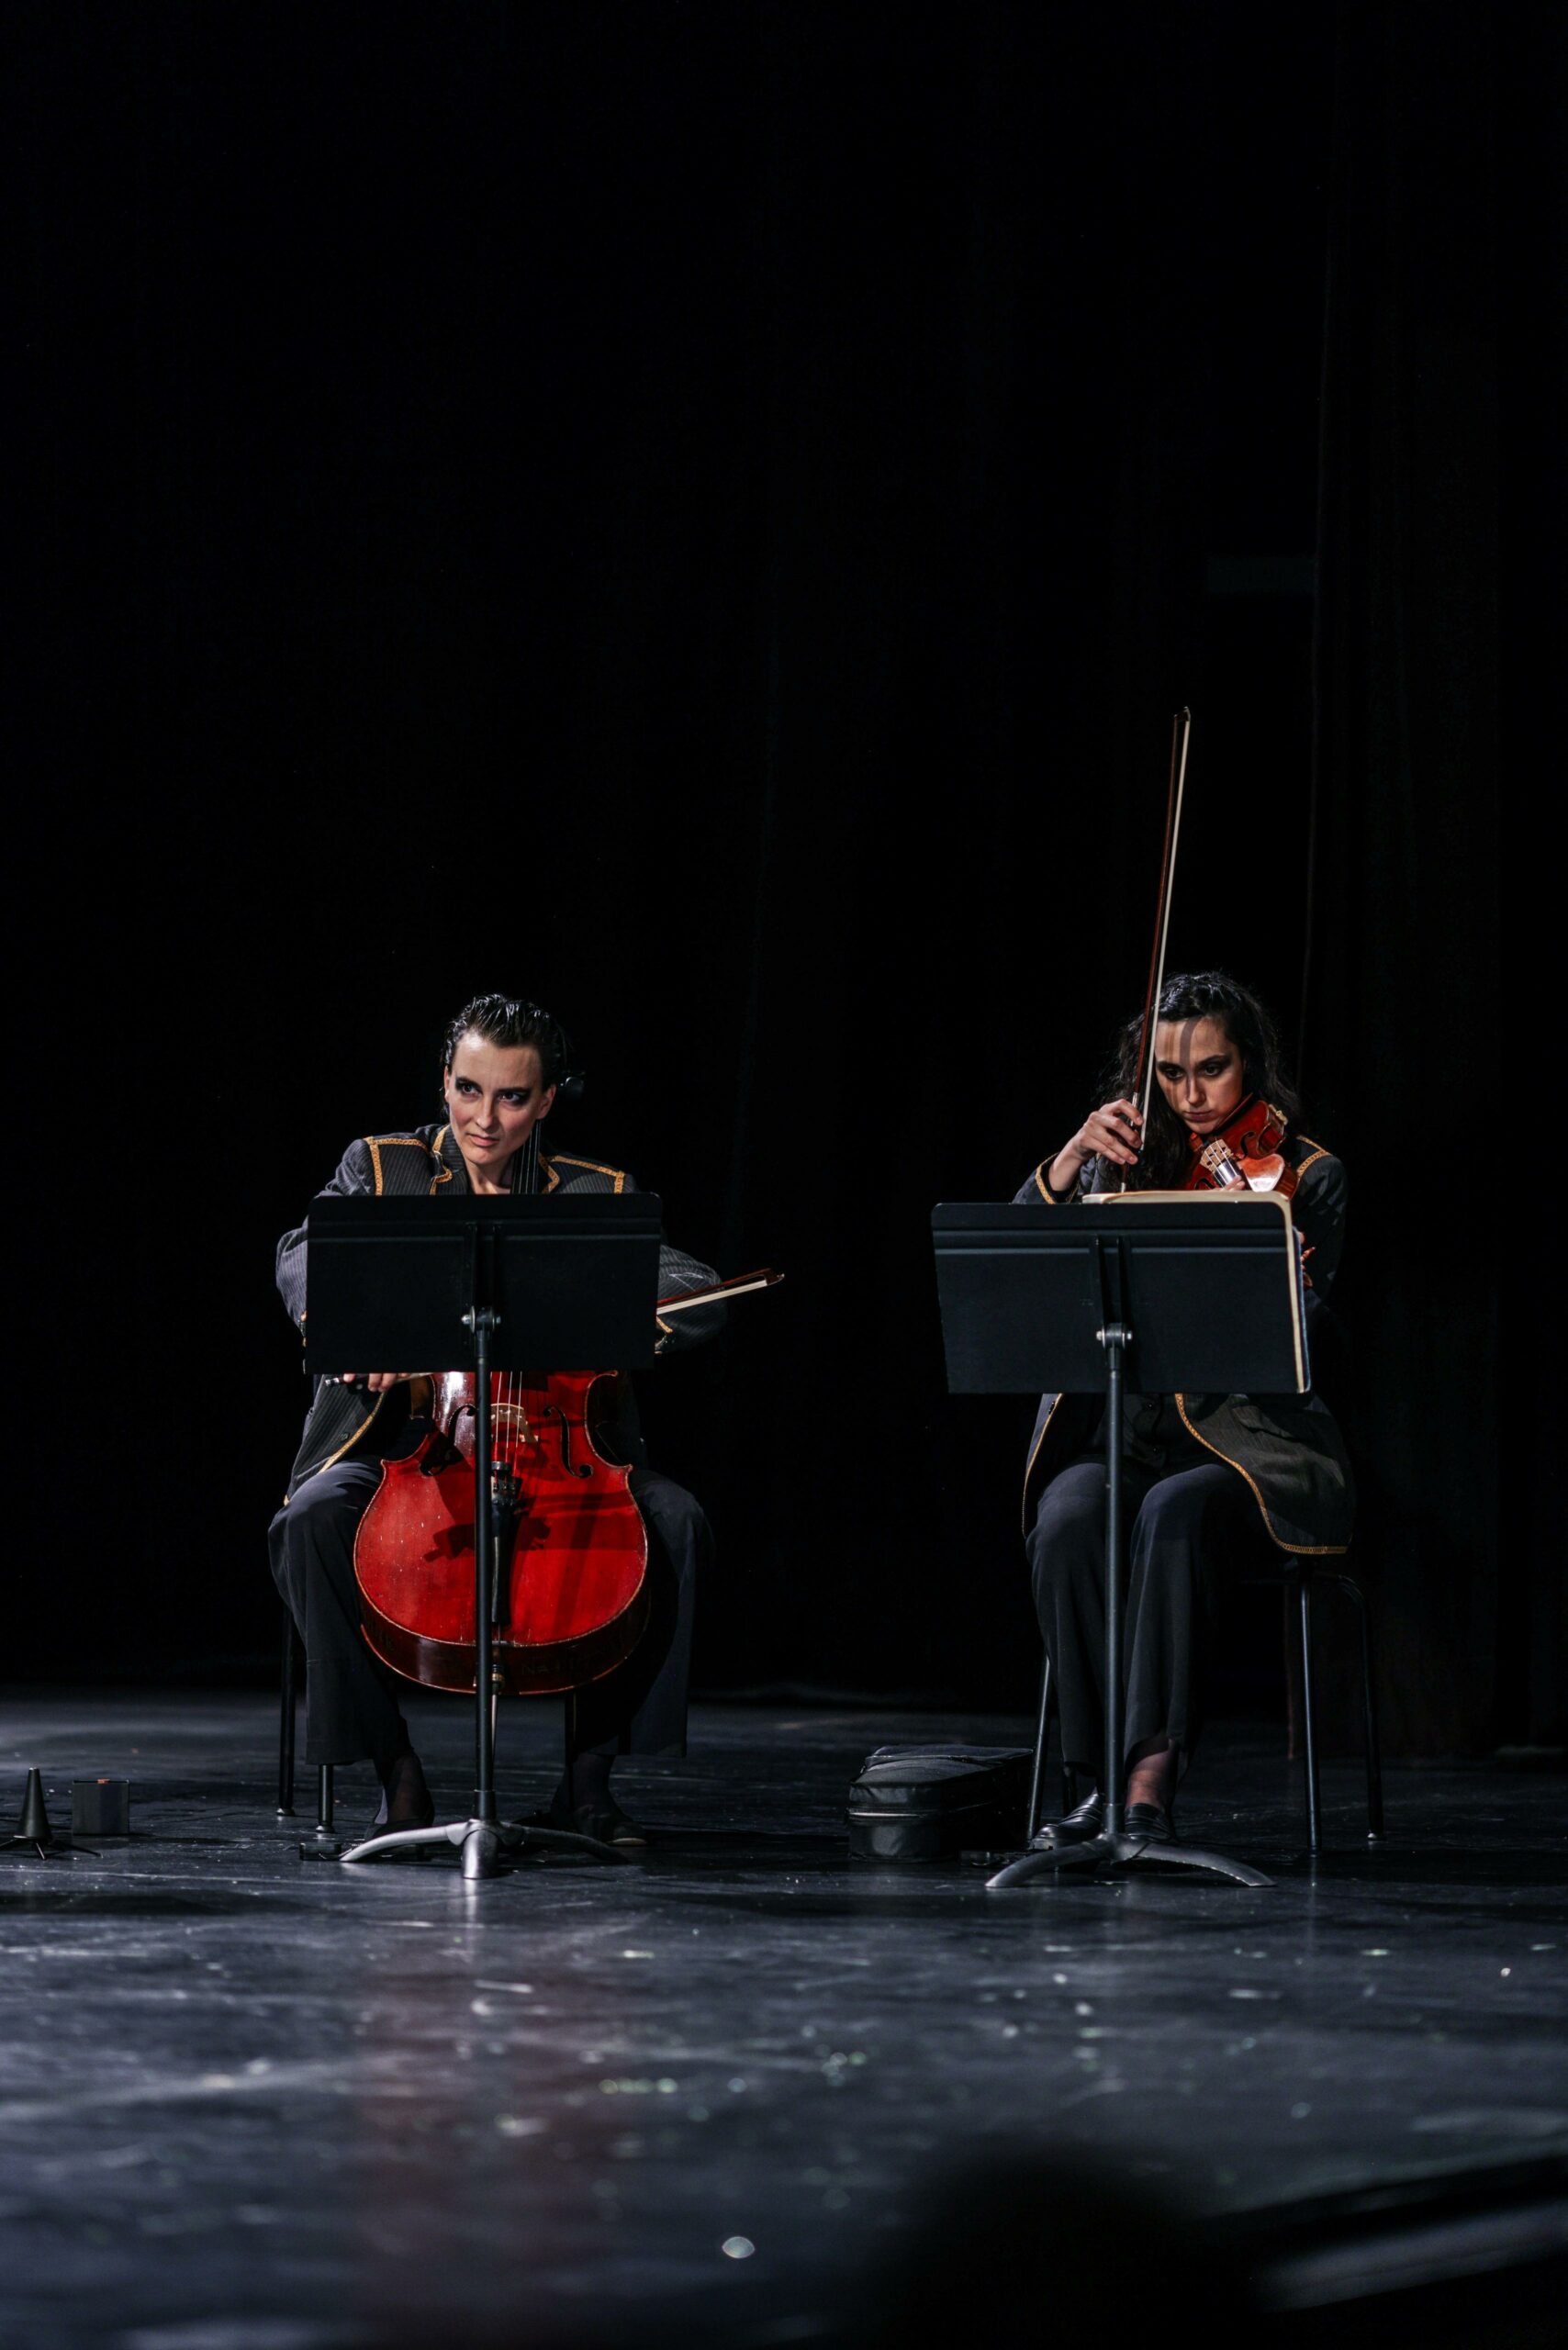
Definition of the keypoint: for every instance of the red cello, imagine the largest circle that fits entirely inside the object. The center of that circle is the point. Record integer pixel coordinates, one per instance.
(571, 1594)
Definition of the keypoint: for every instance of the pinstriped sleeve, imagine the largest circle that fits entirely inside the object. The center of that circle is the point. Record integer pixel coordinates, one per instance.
(678, 1276)
(355, 1175)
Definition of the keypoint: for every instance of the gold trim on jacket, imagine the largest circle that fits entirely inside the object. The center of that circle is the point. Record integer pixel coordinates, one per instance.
(1034, 1456)
(592, 1166)
(1300, 1550)
(377, 1144)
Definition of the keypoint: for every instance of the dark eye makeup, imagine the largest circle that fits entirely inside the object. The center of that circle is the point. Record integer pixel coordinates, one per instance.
(517, 1094)
(1172, 1070)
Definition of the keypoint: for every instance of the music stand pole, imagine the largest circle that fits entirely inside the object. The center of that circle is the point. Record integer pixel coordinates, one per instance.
(482, 1321)
(1113, 1339)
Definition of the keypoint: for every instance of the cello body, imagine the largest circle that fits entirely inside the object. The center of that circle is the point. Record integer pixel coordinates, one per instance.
(571, 1553)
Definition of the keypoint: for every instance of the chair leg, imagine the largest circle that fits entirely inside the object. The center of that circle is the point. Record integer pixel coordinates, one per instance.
(1041, 1733)
(285, 1725)
(1369, 1708)
(1309, 1716)
(322, 1844)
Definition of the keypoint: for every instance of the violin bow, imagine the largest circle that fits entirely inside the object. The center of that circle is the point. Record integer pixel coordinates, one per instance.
(1181, 732)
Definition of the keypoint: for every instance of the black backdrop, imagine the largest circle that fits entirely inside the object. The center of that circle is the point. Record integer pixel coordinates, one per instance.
(703, 514)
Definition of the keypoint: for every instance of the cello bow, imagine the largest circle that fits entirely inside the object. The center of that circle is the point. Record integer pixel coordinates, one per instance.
(738, 1285)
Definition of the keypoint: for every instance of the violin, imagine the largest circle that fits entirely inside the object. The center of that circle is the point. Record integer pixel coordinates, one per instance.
(1244, 1155)
(571, 1596)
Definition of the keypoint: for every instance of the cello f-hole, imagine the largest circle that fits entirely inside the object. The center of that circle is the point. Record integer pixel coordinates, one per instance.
(567, 1463)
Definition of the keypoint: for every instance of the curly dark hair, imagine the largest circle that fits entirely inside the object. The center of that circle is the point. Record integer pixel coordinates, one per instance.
(1246, 1020)
(511, 1021)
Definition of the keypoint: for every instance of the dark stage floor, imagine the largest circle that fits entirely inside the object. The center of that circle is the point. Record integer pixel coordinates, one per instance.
(257, 2106)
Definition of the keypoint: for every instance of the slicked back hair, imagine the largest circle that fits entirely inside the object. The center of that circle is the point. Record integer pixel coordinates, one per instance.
(510, 1020)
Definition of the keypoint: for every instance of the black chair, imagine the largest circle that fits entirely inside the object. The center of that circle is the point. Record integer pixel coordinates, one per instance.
(323, 1839)
(1300, 1577)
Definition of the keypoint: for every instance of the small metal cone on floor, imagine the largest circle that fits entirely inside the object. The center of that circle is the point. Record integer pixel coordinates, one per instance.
(34, 1827)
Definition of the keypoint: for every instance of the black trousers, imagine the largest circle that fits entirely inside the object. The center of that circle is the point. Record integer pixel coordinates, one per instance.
(351, 1697)
(1191, 1528)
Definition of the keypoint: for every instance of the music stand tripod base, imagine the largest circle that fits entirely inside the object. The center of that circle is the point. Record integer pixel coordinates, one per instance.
(482, 1843)
(1116, 1849)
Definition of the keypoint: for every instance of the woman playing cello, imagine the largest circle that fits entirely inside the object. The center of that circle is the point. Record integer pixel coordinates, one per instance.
(1209, 1478)
(502, 1065)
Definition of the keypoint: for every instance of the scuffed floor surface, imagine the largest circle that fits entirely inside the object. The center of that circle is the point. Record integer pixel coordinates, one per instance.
(250, 2104)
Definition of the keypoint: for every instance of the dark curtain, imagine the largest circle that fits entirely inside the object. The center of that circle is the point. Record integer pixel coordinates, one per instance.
(1443, 309)
(703, 513)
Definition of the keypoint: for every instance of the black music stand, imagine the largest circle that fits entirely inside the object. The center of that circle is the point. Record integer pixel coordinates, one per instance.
(484, 1284)
(1164, 1291)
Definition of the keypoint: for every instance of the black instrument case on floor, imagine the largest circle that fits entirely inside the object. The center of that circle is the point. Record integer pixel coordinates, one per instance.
(929, 1802)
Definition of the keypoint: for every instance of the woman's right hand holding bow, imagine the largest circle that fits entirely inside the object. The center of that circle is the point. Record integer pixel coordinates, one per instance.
(1111, 1132)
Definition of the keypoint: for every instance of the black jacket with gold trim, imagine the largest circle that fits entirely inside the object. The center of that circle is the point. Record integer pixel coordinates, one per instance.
(1288, 1448)
(419, 1163)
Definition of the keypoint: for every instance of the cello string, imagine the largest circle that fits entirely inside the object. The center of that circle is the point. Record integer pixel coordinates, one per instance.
(526, 1182)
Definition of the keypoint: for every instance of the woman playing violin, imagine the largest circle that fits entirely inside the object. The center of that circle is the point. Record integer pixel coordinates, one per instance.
(1207, 1478)
(501, 1067)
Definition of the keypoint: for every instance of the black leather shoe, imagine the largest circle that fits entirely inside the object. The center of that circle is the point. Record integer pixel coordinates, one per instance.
(606, 1823)
(603, 1819)
(406, 1801)
(1149, 1823)
(1075, 1827)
